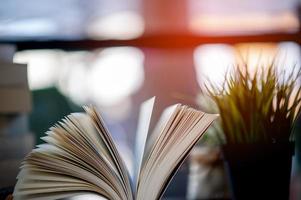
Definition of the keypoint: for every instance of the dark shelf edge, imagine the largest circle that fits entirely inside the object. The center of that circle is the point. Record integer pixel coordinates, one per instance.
(153, 41)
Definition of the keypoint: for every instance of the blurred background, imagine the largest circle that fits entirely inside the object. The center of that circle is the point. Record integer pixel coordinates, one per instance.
(117, 53)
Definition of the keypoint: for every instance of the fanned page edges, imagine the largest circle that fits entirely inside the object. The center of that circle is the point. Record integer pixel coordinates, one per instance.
(178, 130)
(79, 156)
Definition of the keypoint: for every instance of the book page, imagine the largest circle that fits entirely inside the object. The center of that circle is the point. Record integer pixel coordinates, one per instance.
(77, 157)
(181, 132)
(171, 169)
(144, 121)
(106, 137)
(164, 121)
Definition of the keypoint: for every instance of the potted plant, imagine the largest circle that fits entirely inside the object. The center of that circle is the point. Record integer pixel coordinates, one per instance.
(257, 115)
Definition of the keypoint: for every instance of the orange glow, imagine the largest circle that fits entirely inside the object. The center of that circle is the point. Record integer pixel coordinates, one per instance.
(213, 61)
(255, 54)
(244, 23)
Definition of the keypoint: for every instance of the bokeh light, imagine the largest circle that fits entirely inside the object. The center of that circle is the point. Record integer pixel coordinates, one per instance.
(117, 73)
(212, 62)
(43, 67)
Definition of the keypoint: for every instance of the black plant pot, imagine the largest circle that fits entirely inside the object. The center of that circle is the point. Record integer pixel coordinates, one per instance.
(259, 171)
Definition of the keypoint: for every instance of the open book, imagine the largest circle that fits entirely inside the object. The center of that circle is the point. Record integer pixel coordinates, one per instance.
(79, 156)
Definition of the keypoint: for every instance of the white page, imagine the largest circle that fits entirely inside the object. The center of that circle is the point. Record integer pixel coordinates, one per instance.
(163, 163)
(145, 115)
(108, 140)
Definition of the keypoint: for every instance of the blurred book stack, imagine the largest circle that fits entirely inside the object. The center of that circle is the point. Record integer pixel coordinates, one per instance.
(15, 104)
